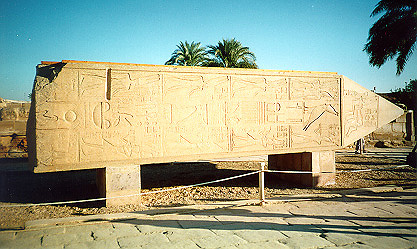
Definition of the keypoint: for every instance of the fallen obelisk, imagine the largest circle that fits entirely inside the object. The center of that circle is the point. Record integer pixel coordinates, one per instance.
(113, 117)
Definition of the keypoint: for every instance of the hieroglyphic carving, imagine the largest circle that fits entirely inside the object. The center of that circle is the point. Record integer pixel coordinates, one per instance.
(363, 111)
(98, 113)
(326, 89)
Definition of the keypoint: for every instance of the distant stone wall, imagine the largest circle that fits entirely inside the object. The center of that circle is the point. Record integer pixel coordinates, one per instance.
(13, 118)
(400, 129)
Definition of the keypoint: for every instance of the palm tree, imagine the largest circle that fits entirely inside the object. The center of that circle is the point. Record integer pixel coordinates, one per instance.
(188, 54)
(230, 53)
(394, 34)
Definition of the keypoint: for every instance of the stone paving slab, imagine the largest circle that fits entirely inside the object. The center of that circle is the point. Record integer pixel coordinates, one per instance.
(263, 245)
(351, 246)
(65, 239)
(306, 241)
(300, 230)
(260, 235)
(22, 243)
(183, 244)
(349, 222)
(100, 244)
(149, 239)
(388, 243)
(194, 233)
(340, 239)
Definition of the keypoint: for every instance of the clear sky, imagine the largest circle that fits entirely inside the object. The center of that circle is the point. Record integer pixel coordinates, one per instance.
(316, 35)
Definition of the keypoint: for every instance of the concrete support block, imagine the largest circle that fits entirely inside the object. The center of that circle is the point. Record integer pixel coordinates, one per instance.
(322, 164)
(119, 181)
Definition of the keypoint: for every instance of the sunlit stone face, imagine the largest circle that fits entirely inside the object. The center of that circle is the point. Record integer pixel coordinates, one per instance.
(92, 115)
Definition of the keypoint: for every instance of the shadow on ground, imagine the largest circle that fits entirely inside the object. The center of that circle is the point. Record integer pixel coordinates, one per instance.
(341, 222)
(20, 185)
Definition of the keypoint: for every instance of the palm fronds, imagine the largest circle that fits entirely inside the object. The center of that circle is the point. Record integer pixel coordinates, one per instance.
(394, 34)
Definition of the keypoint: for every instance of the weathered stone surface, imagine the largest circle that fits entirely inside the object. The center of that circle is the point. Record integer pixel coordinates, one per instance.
(307, 241)
(11, 127)
(139, 241)
(13, 146)
(13, 117)
(13, 110)
(388, 242)
(219, 241)
(162, 232)
(402, 128)
(119, 181)
(95, 115)
(363, 111)
(322, 163)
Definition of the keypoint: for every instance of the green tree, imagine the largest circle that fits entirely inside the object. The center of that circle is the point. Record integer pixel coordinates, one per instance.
(394, 34)
(187, 54)
(230, 53)
(407, 95)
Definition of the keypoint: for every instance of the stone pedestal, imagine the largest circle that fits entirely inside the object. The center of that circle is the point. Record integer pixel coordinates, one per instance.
(119, 181)
(320, 163)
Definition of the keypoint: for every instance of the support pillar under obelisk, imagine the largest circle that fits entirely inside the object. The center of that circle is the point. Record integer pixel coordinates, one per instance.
(321, 164)
(120, 181)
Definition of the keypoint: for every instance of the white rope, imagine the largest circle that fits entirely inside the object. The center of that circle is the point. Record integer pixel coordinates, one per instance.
(204, 183)
(123, 196)
(194, 185)
(366, 170)
(294, 171)
(375, 154)
(339, 171)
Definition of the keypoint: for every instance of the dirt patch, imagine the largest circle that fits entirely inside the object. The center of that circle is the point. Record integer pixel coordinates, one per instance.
(23, 186)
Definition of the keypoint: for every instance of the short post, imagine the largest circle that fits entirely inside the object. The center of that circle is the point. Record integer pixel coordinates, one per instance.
(262, 184)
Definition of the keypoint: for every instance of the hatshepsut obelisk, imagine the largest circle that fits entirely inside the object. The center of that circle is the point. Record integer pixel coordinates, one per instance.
(114, 117)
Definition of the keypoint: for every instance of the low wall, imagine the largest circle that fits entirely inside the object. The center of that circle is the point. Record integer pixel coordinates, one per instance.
(13, 118)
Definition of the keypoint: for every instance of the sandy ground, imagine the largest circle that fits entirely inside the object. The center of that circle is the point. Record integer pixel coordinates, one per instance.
(18, 185)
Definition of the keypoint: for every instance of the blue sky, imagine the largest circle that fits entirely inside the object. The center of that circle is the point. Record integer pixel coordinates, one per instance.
(285, 35)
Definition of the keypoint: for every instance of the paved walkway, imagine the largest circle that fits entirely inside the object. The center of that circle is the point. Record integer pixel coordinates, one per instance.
(372, 218)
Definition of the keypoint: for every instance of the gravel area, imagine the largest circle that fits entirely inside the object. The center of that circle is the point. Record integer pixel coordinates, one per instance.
(26, 187)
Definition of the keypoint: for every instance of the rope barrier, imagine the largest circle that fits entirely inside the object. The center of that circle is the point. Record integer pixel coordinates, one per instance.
(373, 154)
(204, 183)
(123, 196)
(366, 170)
(195, 185)
(339, 171)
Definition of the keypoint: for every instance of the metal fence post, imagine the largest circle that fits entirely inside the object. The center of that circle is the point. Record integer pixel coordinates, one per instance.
(262, 184)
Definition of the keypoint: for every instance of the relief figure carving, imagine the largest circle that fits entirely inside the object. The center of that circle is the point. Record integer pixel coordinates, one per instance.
(317, 112)
(314, 89)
